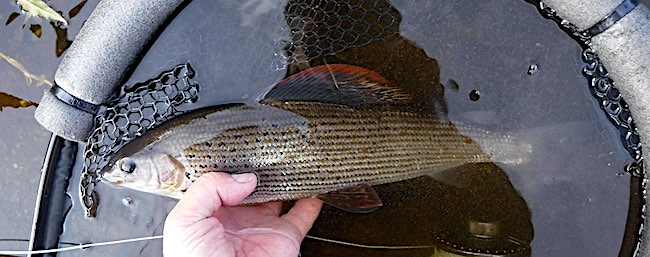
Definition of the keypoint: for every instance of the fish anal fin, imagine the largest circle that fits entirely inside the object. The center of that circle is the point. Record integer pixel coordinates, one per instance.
(339, 84)
(358, 199)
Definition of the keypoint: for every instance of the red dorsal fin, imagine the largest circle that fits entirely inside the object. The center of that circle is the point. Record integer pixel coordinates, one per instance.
(359, 199)
(339, 84)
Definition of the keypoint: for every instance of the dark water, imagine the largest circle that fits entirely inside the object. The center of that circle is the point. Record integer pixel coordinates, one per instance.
(468, 61)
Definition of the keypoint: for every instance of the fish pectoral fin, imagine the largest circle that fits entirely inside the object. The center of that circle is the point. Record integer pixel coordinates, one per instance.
(341, 84)
(358, 199)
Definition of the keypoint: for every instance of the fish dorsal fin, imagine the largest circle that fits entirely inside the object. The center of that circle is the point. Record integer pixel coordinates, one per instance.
(359, 199)
(339, 84)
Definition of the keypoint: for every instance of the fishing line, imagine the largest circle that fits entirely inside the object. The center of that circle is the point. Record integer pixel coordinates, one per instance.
(27, 240)
(332, 74)
(387, 247)
(85, 246)
(80, 247)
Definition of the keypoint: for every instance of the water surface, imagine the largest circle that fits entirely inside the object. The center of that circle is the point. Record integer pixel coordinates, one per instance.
(467, 61)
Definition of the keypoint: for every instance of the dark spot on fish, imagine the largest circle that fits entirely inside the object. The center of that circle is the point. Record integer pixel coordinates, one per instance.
(232, 150)
(276, 140)
(216, 166)
(265, 133)
(467, 141)
(222, 144)
(238, 136)
(274, 125)
(208, 144)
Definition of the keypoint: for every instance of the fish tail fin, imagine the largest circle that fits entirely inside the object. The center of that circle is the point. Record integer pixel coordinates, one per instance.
(502, 147)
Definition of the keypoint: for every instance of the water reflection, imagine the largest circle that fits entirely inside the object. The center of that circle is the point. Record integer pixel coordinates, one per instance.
(485, 214)
(476, 211)
(363, 33)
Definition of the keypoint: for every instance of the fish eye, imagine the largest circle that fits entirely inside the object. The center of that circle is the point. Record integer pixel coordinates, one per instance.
(127, 165)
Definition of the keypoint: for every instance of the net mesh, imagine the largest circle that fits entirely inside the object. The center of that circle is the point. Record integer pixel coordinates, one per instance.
(603, 89)
(129, 115)
(324, 27)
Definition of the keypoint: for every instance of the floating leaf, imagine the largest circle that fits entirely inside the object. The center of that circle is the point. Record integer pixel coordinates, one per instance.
(40, 80)
(41, 9)
(36, 29)
(62, 41)
(7, 100)
(12, 17)
(75, 10)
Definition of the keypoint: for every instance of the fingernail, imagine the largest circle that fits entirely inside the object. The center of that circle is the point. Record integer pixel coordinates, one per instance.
(244, 177)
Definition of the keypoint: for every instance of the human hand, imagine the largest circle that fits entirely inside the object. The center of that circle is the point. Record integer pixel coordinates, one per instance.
(208, 222)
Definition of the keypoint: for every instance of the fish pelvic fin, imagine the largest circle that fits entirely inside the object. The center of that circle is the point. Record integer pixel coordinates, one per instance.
(358, 199)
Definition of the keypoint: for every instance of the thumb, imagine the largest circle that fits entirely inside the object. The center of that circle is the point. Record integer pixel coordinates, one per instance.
(209, 192)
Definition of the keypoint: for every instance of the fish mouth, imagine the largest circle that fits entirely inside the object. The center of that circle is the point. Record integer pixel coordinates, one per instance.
(113, 179)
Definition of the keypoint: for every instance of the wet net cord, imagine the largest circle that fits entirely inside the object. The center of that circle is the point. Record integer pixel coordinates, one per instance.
(135, 110)
(604, 90)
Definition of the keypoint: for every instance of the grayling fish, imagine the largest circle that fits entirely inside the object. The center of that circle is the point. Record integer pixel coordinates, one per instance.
(328, 132)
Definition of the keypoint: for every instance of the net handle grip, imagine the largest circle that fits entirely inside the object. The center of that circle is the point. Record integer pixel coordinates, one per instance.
(98, 60)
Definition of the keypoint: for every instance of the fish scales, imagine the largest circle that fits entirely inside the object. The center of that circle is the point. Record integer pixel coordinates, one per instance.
(320, 130)
(302, 149)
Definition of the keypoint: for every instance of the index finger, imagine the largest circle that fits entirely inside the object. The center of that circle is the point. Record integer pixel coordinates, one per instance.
(304, 214)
